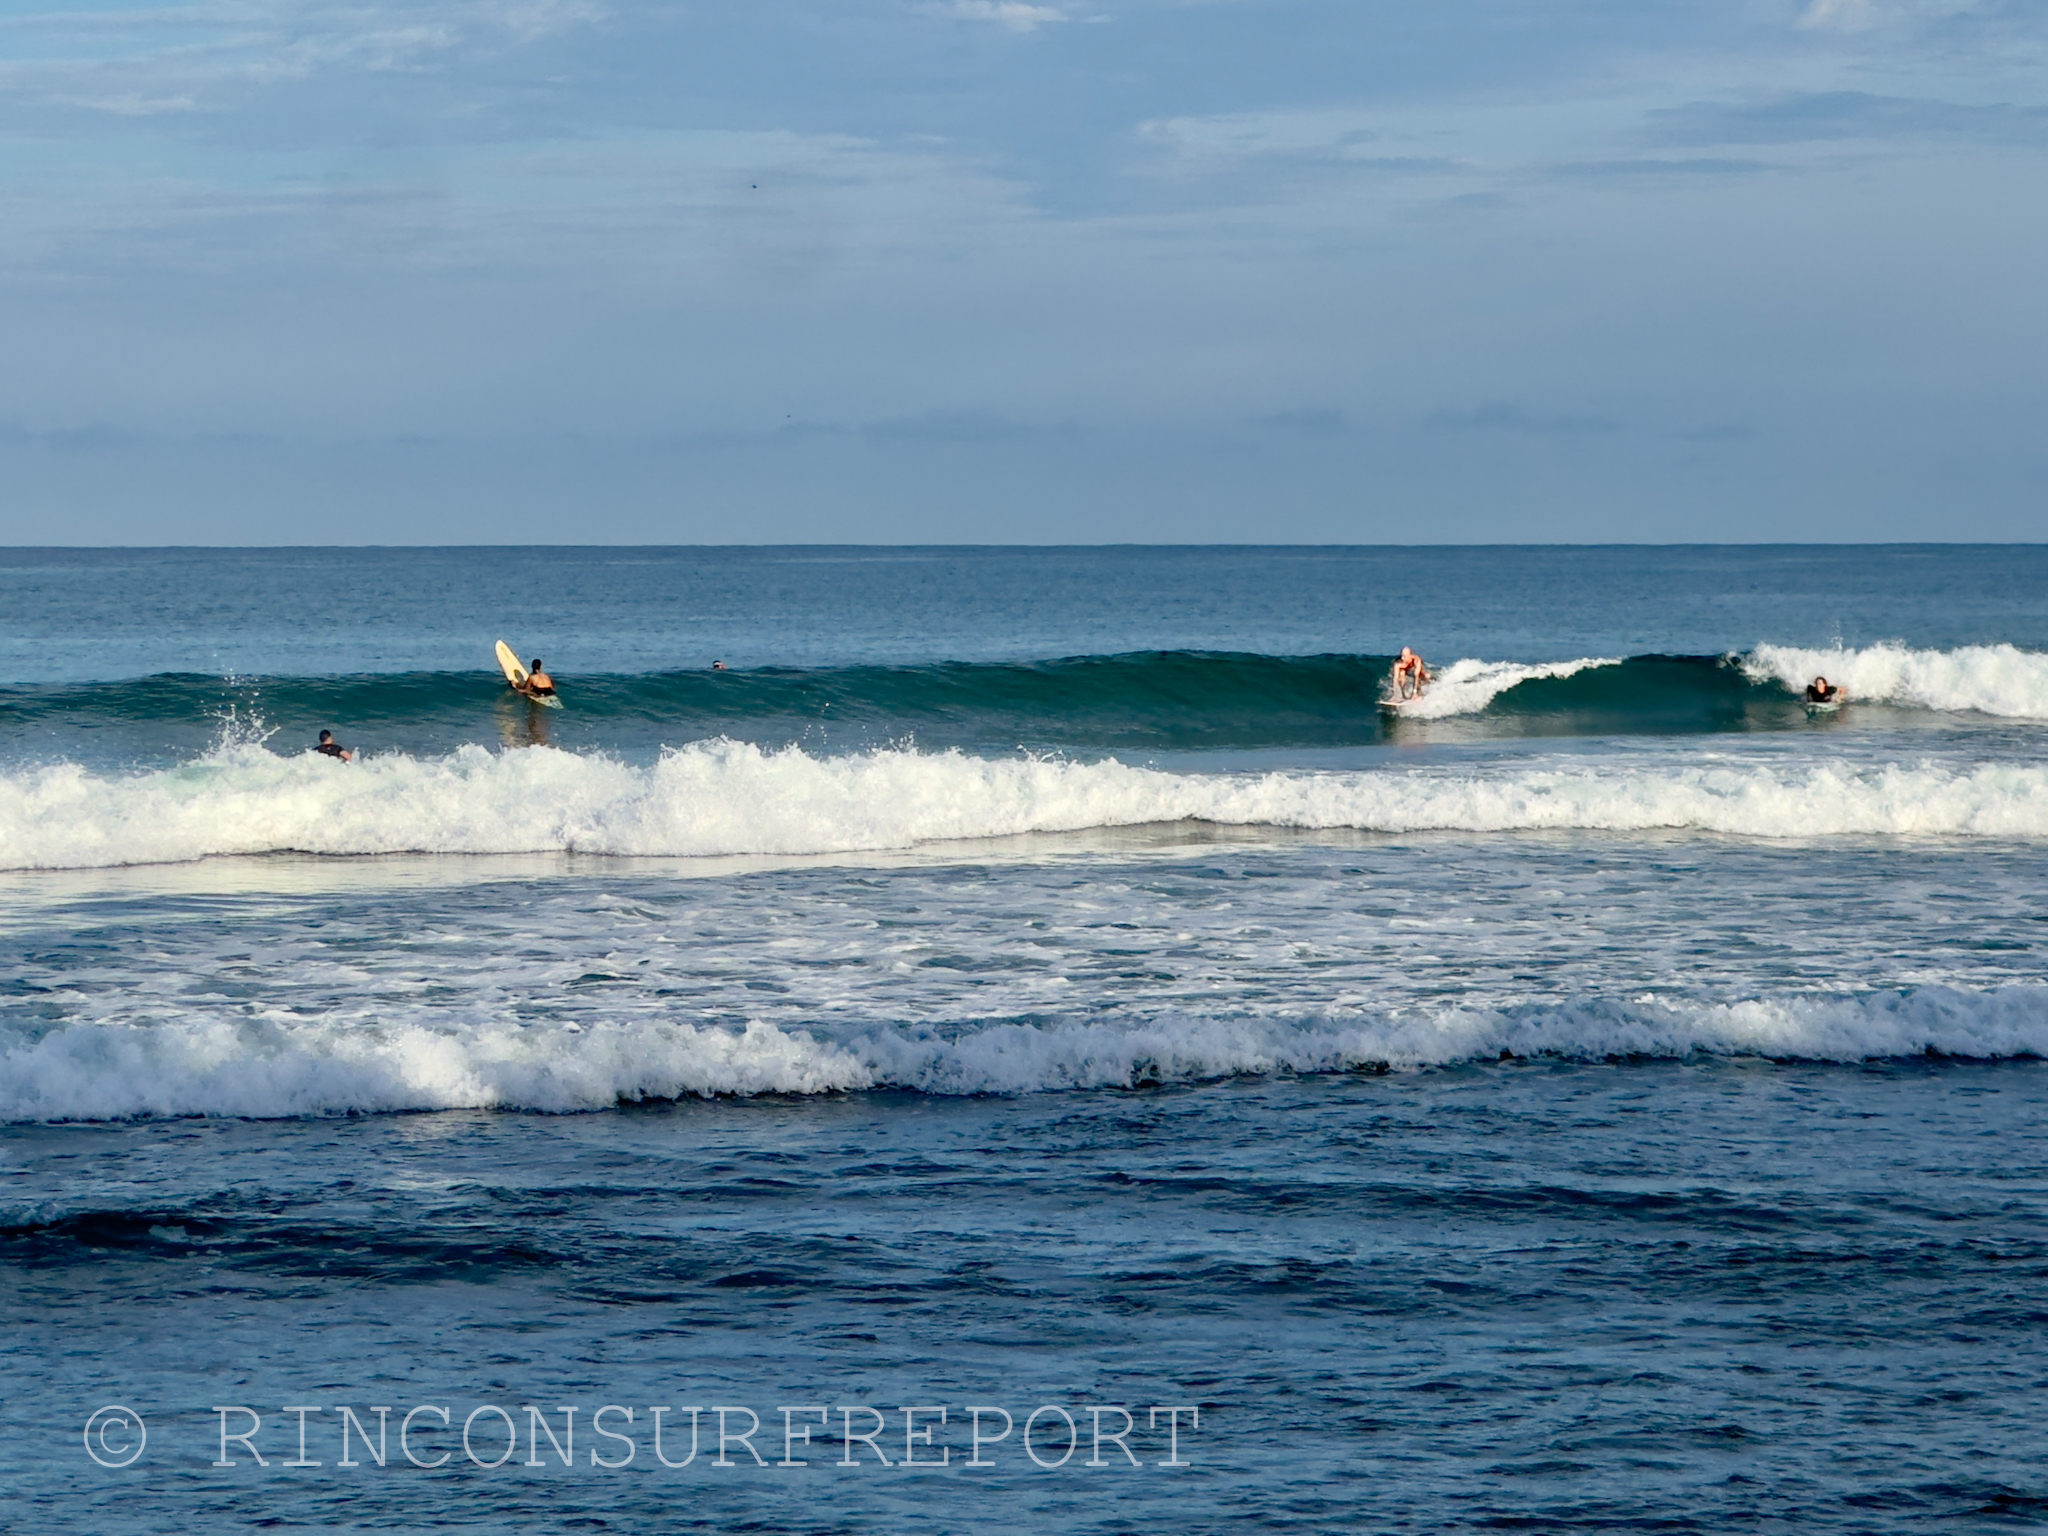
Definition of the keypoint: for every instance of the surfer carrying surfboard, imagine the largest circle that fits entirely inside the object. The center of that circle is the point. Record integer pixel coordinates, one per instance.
(1410, 675)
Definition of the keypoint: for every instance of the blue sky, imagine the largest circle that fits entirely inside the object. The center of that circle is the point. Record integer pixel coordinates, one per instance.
(592, 270)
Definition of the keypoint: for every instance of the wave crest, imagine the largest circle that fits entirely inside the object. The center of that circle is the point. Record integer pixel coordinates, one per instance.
(1147, 701)
(1990, 679)
(272, 1069)
(1468, 686)
(732, 798)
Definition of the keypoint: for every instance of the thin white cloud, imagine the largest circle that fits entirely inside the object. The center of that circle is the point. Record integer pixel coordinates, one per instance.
(1013, 14)
(1243, 135)
(1865, 15)
(131, 104)
(1841, 15)
(232, 60)
(737, 211)
(171, 58)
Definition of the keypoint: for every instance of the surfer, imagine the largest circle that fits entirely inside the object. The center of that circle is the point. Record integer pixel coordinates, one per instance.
(329, 747)
(1821, 691)
(718, 666)
(538, 684)
(1410, 675)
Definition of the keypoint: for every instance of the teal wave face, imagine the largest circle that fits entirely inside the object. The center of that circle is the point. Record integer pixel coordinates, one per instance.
(1644, 695)
(1144, 701)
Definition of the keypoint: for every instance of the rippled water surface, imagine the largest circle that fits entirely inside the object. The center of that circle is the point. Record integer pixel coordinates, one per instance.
(1608, 1095)
(1704, 1295)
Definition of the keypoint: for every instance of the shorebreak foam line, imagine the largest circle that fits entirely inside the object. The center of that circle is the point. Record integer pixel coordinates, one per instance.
(274, 1068)
(731, 798)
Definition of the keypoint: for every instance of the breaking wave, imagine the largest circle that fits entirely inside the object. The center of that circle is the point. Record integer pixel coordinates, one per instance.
(1466, 686)
(732, 798)
(1149, 700)
(1989, 679)
(271, 1068)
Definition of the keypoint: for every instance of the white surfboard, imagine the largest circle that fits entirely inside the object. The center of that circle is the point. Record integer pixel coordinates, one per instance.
(515, 674)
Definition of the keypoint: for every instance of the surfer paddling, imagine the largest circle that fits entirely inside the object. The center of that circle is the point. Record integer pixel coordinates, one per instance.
(1821, 691)
(1410, 675)
(538, 684)
(329, 747)
(528, 682)
(535, 685)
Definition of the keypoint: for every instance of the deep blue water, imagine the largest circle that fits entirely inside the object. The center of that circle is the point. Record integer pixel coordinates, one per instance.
(1608, 1097)
(78, 614)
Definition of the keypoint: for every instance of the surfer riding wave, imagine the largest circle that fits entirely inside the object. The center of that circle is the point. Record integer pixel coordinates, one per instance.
(1410, 675)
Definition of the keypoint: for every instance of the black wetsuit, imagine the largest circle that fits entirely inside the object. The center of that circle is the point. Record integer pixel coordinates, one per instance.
(332, 749)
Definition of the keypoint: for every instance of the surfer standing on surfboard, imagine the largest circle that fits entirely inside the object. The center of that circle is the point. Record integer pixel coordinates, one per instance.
(1410, 675)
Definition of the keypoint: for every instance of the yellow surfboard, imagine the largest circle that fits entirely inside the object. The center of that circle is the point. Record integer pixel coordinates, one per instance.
(515, 674)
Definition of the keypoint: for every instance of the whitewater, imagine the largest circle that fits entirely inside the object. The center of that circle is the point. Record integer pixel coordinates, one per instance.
(1030, 977)
(727, 797)
(279, 1066)
(2001, 680)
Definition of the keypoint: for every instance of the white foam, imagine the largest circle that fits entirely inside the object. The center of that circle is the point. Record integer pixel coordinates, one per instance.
(1467, 686)
(732, 798)
(289, 1066)
(274, 1067)
(1991, 679)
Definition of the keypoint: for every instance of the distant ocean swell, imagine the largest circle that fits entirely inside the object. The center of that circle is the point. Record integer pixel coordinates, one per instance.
(1163, 699)
(733, 798)
(274, 1067)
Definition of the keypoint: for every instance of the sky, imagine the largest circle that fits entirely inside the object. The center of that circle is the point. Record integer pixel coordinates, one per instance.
(586, 271)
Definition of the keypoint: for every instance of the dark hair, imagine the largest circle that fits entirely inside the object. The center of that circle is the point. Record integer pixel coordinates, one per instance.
(327, 735)
(536, 663)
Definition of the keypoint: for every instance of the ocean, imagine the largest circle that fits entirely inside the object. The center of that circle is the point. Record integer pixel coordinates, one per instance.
(1028, 1044)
